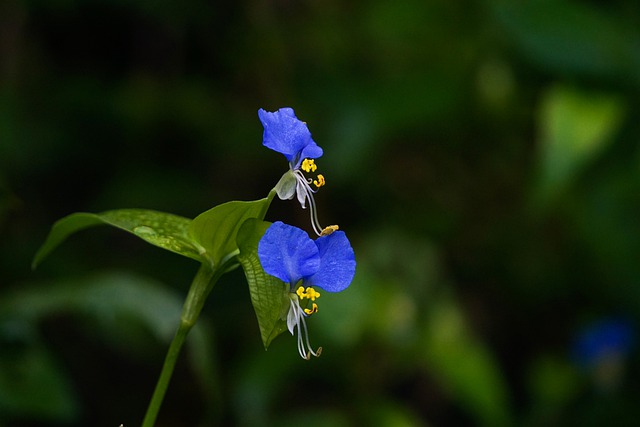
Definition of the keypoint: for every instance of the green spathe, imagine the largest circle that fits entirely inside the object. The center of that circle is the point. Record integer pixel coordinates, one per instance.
(286, 187)
(214, 231)
(269, 295)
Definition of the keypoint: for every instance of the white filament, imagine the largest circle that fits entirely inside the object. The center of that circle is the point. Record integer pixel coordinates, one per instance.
(305, 192)
(295, 318)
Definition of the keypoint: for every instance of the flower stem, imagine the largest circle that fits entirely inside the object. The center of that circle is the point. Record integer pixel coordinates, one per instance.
(165, 376)
(202, 284)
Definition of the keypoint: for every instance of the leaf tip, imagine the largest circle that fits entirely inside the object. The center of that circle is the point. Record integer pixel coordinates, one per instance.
(37, 259)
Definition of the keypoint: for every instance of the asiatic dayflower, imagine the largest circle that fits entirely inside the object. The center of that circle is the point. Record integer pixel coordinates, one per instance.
(328, 263)
(284, 133)
(603, 349)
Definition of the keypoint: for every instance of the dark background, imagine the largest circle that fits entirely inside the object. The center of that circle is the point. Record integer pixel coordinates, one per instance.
(482, 156)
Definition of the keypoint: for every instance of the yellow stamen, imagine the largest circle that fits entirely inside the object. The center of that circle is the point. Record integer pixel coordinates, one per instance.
(309, 293)
(301, 292)
(309, 165)
(312, 294)
(313, 309)
(319, 182)
(329, 230)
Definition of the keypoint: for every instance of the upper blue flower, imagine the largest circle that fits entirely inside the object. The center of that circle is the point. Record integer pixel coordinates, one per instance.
(288, 253)
(284, 133)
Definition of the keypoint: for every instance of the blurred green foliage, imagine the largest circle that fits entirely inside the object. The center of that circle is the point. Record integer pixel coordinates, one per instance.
(482, 156)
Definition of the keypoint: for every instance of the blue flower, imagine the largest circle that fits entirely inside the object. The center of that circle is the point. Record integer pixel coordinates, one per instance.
(603, 348)
(284, 133)
(602, 339)
(328, 263)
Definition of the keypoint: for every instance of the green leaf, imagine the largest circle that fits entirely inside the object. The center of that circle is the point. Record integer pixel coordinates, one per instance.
(575, 127)
(269, 295)
(571, 37)
(128, 312)
(215, 230)
(161, 229)
(32, 384)
(464, 364)
(553, 383)
(113, 298)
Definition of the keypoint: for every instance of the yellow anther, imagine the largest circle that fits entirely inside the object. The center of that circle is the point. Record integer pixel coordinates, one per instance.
(309, 293)
(319, 182)
(309, 165)
(301, 292)
(312, 294)
(313, 309)
(329, 229)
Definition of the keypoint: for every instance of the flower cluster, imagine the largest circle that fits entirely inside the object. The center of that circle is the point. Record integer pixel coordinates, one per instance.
(287, 252)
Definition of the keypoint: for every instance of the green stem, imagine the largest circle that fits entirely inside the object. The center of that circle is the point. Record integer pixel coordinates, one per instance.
(202, 284)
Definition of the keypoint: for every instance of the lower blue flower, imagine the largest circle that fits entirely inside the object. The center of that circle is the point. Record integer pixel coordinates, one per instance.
(328, 263)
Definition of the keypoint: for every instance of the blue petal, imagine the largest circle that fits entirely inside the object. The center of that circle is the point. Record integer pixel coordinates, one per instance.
(602, 339)
(337, 263)
(310, 151)
(288, 253)
(284, 133)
